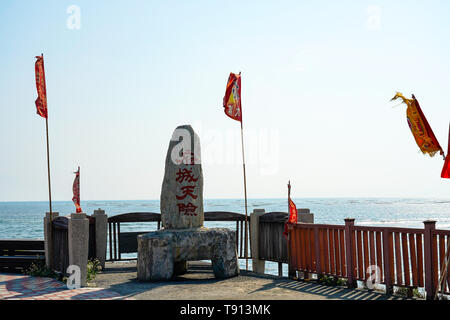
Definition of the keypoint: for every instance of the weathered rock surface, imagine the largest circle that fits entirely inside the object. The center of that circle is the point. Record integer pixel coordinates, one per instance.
(165, 253)
(182, 188)
(159, 251)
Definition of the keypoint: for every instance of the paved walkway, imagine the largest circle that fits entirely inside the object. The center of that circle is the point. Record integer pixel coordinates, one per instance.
(119, 282)
(23, 287)
(199, 284)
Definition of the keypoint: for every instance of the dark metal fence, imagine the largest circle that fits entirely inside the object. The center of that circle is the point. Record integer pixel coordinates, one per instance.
(60, 239)
(18, 254)
(272, 242)
(126, 242)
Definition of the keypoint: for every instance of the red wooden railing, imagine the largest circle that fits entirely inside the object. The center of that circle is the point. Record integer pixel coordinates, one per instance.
(406, 257)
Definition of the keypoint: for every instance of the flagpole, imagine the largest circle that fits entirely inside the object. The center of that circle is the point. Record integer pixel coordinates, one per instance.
(48, 152)
(245, 194)
(289, 193)
(48, 168)
(290, 273)
(444, 269)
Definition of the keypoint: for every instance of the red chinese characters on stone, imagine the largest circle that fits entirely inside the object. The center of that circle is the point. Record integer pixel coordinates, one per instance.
(188, 191)
(185, 175)
(187, 209)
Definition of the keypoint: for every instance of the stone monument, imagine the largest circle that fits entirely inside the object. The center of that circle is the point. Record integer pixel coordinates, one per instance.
(165, 253)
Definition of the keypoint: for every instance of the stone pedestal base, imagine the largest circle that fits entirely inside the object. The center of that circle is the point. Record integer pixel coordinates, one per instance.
(164, 253)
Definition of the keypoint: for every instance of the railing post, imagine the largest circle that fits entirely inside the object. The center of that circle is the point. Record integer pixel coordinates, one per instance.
(305, 216)
(101, 223)
(78, 236)
(292, 272)
(258, 265)
(317, 249)
(387, 262)
(430, 287)
(48, 238)
(349, 245)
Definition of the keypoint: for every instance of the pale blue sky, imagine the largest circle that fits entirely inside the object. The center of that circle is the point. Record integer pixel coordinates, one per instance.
(317, 77)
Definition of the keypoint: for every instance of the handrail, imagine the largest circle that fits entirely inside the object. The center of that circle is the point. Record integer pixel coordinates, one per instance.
(115, 237)
(405, 257)
(155, 217)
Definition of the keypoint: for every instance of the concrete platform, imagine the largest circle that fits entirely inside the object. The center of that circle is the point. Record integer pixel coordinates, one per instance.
(200, 284)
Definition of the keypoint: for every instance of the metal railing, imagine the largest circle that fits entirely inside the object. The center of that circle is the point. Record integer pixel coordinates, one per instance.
(120, 242)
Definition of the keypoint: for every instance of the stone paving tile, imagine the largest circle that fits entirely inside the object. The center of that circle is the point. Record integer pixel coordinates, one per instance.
(23, 287)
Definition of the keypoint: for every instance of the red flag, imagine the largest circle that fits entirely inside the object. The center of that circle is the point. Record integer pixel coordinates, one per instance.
(420, 128)
(232, 99)
(41, 101)
(76, 191)
(292, 212)
(446, 170)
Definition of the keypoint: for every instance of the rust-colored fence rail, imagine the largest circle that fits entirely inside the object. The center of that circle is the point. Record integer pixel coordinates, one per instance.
(402, 257)
(319, 249)
(120, 242)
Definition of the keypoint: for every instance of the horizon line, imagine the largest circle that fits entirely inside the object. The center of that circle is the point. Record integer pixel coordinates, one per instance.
(379, 197)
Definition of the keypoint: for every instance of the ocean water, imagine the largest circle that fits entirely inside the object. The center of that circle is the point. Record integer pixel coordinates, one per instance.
(24, 220)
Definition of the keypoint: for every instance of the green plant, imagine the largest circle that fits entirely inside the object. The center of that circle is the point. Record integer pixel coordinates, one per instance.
(417, 294)
(402, 292)
(341, 282)
(331, 281)
(39, 269)
(93, 268)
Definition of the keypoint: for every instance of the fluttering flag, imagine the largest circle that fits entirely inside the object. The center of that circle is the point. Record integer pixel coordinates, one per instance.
(446, 170)
(419, 126)
(232, 100)
(41, 101)
(76, 191)
(232, 105)
(292, 213)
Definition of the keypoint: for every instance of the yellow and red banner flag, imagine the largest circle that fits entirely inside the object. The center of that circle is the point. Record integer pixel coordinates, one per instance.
(421, 130)
(76, 191)
(232, 100)
(292, 212)
(41, 101)
(446, 170)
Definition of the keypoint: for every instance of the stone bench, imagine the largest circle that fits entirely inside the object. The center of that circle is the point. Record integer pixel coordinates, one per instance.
(163, 254)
